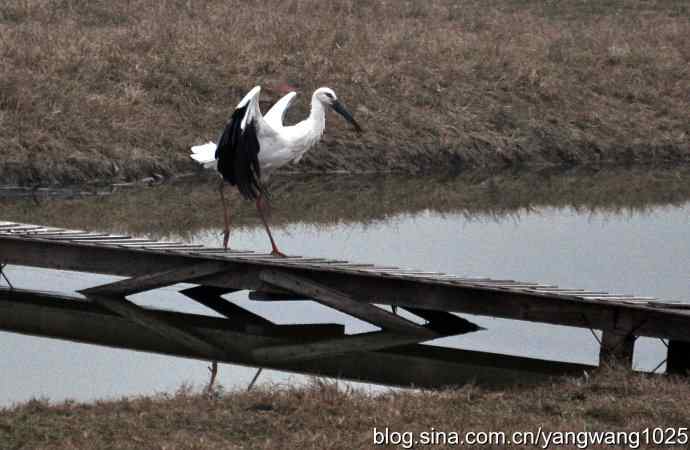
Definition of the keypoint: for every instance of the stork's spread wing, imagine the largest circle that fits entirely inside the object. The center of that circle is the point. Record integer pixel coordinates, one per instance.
(276, 115)
(238, 148)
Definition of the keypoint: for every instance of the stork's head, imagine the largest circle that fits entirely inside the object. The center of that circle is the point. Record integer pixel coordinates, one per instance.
(327, 97)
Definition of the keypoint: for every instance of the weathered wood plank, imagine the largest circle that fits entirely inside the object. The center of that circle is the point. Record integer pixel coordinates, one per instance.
(238, 255)
(77, 237)
(376, 340)
(222, 250)
(617, 348)
(156, 280)
(109, 241)
(127, 309)
(60, 233)
(174, 245)
(150, 243)
(34, 231)
(211, 298)
(20, 227)
(260, 296)
(343, 303)
(444, 293)
(445, 323)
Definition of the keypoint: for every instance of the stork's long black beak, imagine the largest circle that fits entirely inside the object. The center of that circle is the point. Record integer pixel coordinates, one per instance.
(340, 109)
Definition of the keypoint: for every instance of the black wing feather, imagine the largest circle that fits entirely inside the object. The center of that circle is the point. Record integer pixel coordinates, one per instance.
(238, 156)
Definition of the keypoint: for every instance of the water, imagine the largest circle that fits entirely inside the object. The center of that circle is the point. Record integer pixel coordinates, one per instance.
(645, 251)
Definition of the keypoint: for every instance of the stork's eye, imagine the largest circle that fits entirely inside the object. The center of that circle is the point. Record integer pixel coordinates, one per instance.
(329, 95)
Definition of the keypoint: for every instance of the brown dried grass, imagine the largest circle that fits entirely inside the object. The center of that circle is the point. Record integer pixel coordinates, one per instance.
(324, 415)
(101, 90)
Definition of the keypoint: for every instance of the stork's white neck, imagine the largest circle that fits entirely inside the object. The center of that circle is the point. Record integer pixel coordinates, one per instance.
(317, 117)
(305, 134)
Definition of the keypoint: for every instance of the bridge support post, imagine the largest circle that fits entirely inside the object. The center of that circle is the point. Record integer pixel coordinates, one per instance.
(617, 348)
(678, 361)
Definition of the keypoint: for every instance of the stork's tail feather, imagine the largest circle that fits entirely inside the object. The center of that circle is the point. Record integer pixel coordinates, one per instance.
(205, 155)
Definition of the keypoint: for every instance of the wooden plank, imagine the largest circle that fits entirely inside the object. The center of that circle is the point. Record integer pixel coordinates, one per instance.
(445, 323)
(633, 301)
(238, 255)
(568, 291)
(222, 250)
(656, 303)
(537, 287)
(99, 239)
(423, 293)
(158, 279)
(311, 262)
(82, 237)
(174, 245)
(21, 227)
(211, 298)
(343, 303)
(301, 332)
(617, 348)
(260, 296)
(182, 250)
(109, 241)
(405, 273)
(55, 233)
(348, 265)
(152, 243)
(67, 235)
(127, 309)
(263, 257)
(289, 260)
(481, 281)
(464, 278)
(377, 269)
(34, 231)
(376, 340)
(329, 263)
(501, 283)
(138, 246)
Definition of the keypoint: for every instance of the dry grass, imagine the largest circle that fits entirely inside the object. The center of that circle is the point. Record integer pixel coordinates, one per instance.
(188, 206)
(326, 416)
(96, 89)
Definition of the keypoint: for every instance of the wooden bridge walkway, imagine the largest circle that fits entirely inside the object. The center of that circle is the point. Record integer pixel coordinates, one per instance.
(393, 355)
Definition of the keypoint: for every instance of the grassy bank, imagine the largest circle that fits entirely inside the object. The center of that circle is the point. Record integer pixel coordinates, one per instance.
(100, 90)
(325, 416)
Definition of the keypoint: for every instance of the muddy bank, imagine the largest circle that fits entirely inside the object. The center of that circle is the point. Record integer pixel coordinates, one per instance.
(192, 204)
(118, 91)
(333, 157)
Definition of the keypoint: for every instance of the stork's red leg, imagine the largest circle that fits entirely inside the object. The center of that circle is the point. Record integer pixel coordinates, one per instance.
(260, 205)
(226, 215)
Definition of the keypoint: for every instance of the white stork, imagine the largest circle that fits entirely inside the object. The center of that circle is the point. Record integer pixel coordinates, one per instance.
(252, 146)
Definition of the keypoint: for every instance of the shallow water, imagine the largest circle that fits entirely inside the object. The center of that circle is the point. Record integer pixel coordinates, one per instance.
(645, 251)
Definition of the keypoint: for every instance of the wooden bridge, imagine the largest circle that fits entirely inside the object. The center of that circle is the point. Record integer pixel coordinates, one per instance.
(392, 355)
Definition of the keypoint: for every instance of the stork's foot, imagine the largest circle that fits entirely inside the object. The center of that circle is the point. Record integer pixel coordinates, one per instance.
(276, 252)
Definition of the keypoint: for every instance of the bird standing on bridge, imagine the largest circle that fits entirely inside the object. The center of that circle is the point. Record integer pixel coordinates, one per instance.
(252, 146)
